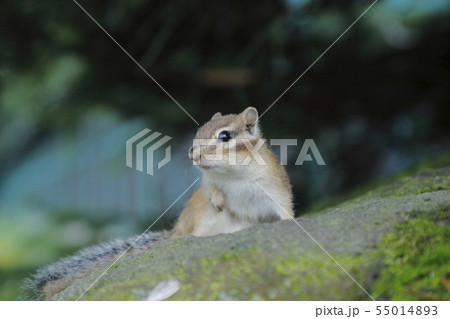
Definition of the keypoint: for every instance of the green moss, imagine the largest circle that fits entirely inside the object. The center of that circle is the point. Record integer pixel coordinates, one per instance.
(416, 258)
(142, 258)
(423, 182)
(300, 275)
(232, 257)
(251, 275)
(425, 177)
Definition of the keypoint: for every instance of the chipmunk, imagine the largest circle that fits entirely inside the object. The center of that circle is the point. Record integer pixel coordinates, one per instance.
(237, 191)
(243, 185)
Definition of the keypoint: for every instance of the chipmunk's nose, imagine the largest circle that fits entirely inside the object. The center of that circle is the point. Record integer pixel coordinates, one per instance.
(191, 155)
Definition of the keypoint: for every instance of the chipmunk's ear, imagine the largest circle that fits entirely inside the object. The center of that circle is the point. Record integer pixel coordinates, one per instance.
(216, 116)
(250, 117)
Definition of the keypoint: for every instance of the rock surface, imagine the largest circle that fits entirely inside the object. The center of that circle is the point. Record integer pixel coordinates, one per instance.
(391, 242)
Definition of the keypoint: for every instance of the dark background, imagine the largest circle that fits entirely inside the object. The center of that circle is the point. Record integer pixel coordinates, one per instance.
(375, 104)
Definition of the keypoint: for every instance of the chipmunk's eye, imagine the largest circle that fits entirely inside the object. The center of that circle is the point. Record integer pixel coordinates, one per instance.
(224, 136)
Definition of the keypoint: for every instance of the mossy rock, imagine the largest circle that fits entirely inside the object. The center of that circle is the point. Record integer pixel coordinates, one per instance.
(392, 241)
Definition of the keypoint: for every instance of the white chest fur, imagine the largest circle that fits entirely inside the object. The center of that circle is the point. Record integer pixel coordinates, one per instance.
(247, 203)
(249, 200)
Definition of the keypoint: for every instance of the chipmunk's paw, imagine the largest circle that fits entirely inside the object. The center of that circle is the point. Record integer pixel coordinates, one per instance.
(215, 197)
(217, 200)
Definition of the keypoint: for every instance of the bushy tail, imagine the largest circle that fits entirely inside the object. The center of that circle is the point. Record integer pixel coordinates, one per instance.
(50, 280)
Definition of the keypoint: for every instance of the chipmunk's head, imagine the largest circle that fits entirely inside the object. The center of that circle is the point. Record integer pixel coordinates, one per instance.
(225, 140)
